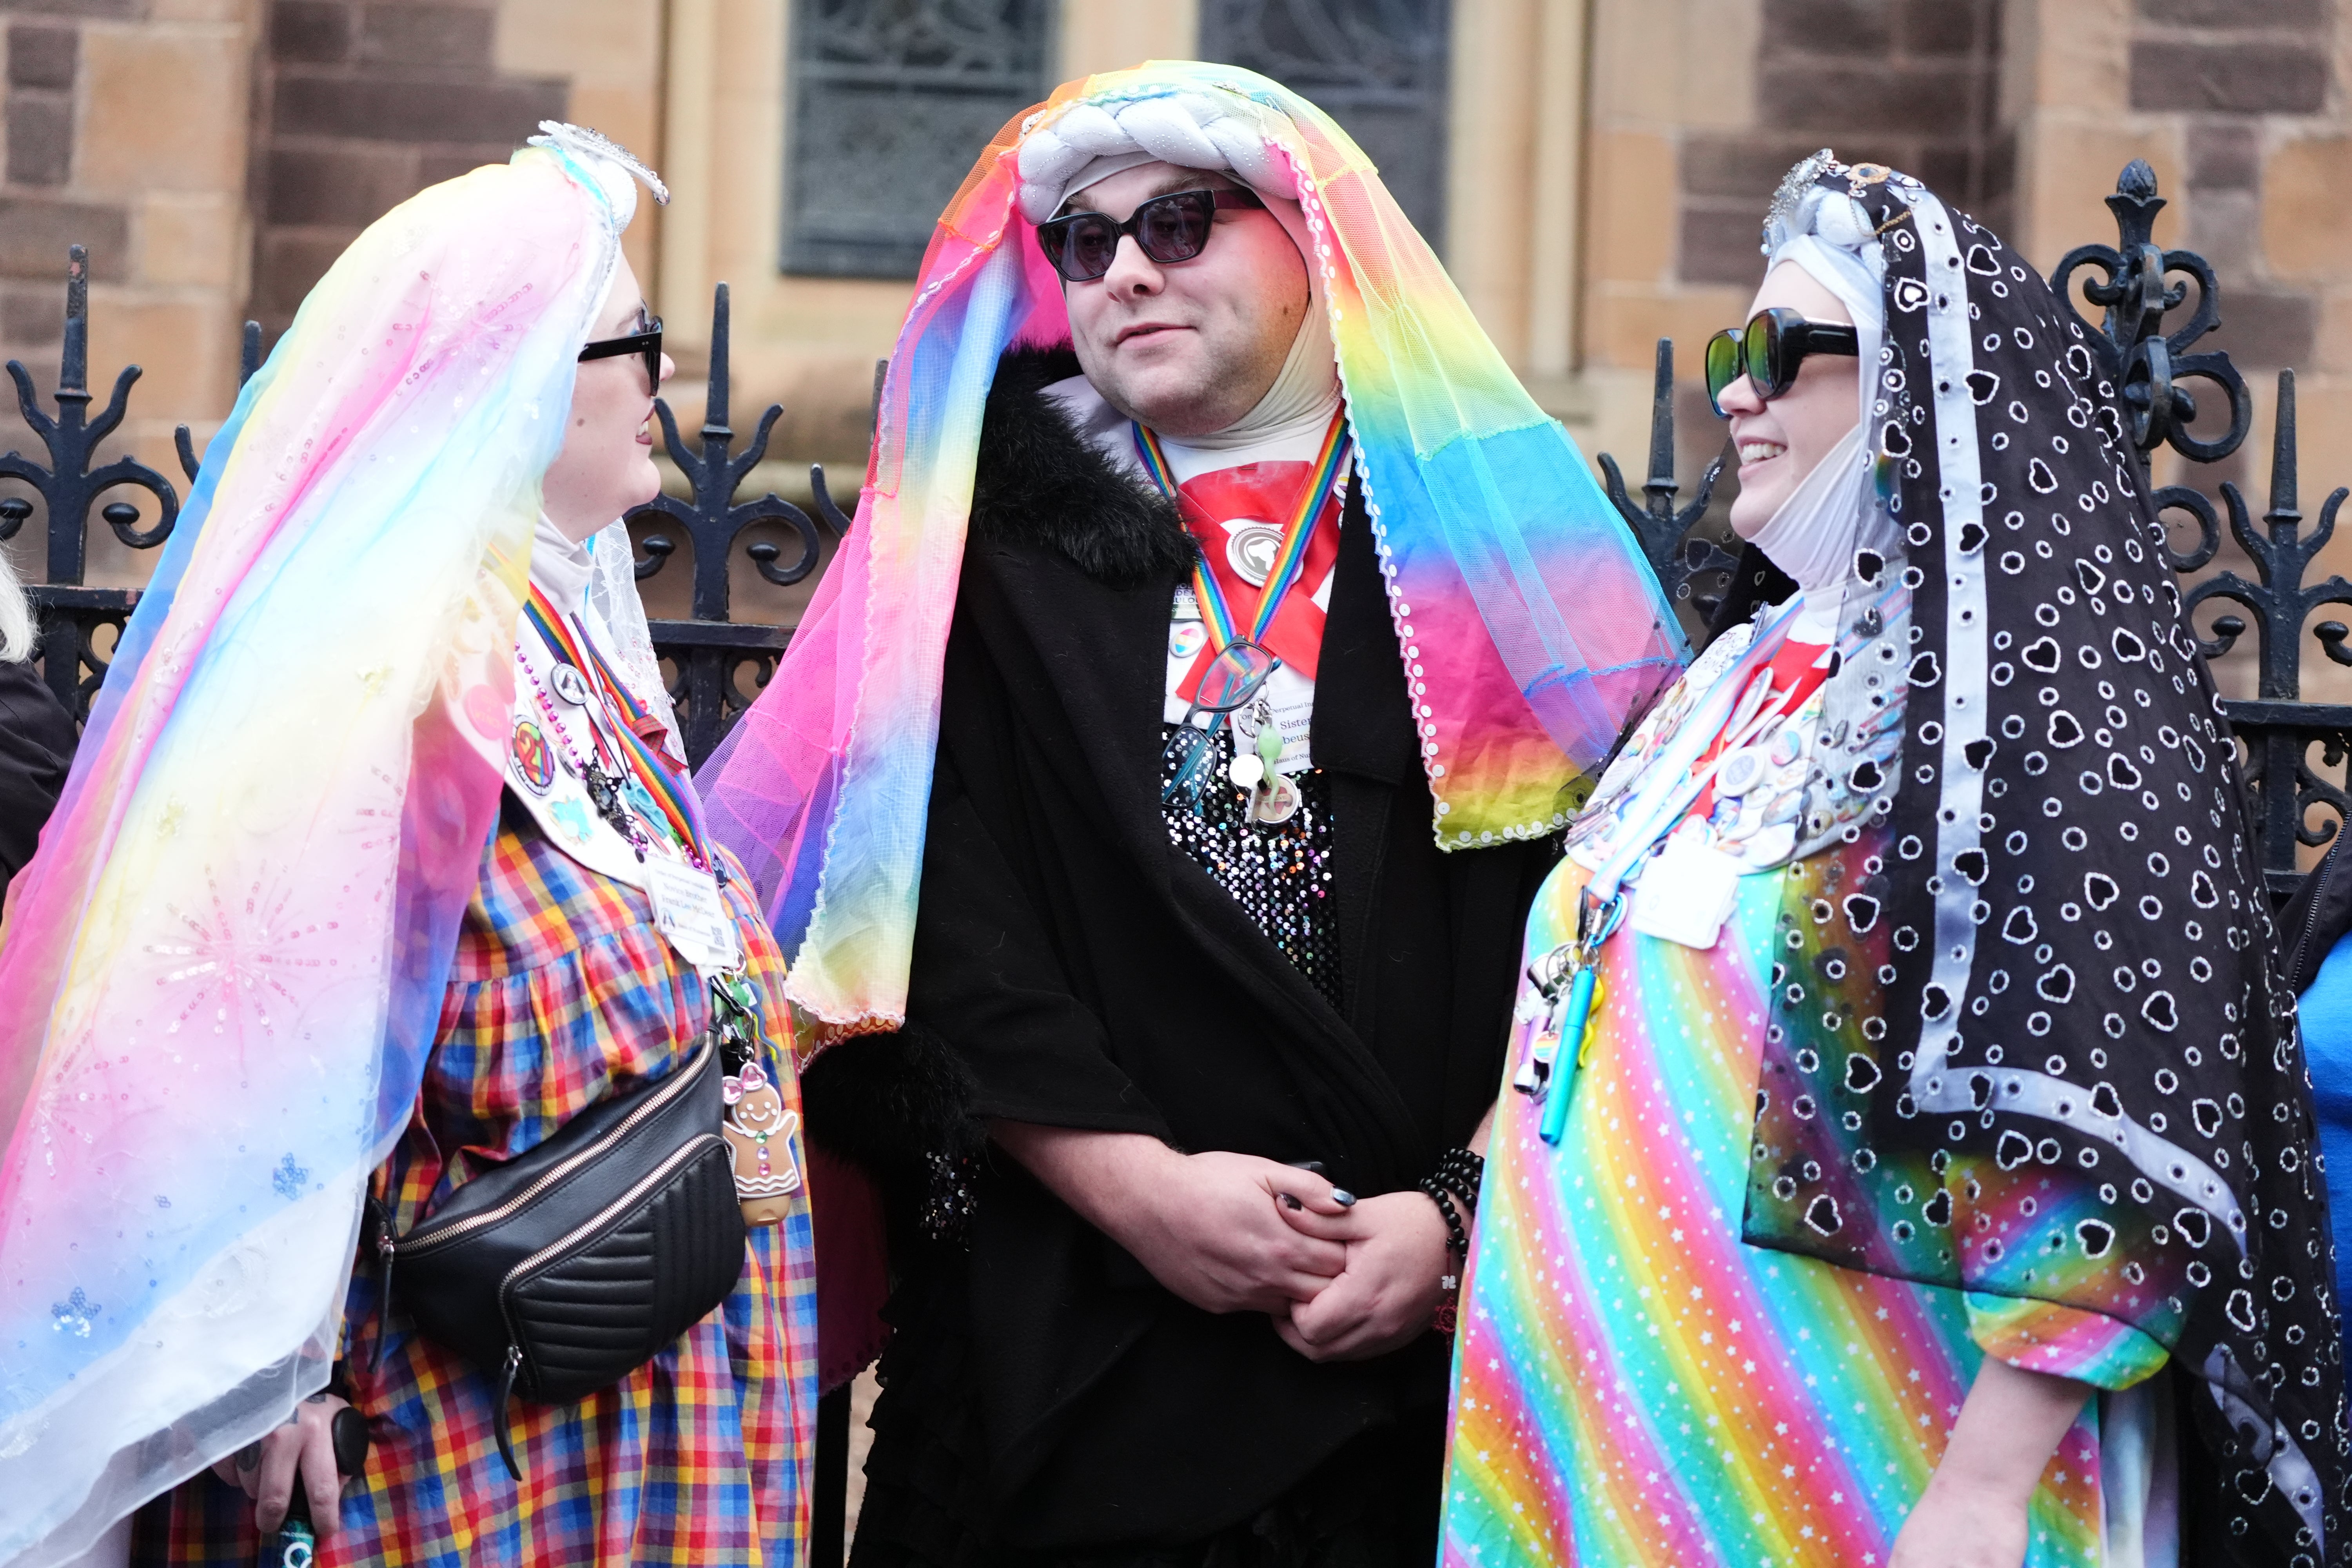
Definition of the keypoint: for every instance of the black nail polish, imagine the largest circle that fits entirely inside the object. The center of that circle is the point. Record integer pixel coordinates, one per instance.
(1290, 1203)
(1343, 1197)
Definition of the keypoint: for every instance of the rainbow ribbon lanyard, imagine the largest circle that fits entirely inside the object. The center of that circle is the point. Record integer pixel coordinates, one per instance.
(1331, 463)
(678, 805)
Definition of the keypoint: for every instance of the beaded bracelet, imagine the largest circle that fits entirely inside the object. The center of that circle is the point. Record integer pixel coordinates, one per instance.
(1462, 1172)
(1457, 1240)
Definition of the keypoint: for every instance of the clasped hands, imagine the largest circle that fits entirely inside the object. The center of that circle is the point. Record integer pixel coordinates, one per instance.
(1233, 1232)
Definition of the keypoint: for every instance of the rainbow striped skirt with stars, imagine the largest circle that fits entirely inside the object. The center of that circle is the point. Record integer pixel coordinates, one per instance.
(1634, 1385)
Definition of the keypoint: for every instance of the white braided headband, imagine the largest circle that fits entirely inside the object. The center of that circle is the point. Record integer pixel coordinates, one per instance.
(1191, 129)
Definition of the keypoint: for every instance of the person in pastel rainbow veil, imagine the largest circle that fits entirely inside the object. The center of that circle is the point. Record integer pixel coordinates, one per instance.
(1906, 1154)
(1161, 774)
(374, 881)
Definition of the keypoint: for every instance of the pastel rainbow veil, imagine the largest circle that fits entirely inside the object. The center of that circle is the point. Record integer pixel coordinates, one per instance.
(1530, 628)
(224, 968)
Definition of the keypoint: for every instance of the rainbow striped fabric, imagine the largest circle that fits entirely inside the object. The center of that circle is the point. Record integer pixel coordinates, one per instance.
(223, 971)
(1635, 1388)
(1489, 525)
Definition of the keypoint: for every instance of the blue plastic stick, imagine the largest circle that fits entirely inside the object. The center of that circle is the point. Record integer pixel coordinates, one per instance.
(1564, 1055)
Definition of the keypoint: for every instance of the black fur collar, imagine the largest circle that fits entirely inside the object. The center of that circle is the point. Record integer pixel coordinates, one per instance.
(1040, 483)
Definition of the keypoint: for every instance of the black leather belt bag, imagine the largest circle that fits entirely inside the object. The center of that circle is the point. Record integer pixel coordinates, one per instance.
(572, 1265)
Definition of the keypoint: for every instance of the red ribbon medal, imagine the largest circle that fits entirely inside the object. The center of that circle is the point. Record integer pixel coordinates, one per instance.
(1237, 514)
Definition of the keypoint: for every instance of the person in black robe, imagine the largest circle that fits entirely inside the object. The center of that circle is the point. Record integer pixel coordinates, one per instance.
(1043, 1388)
(1177, 1133)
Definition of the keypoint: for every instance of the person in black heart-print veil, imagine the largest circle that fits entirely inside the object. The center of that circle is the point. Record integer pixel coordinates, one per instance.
(2025, 1078)
(2085, 1076)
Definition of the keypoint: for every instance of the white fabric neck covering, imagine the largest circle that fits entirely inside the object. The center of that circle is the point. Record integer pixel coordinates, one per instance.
(1832, 514)
(1833, 511)
(595, 581)
(1814, 534)
(1307, 388)
(559, 565)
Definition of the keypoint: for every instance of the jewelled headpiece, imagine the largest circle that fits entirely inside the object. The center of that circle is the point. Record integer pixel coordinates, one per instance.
(562, 136)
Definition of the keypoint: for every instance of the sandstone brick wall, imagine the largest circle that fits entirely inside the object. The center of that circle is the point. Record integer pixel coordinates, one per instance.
(215, 155)
(124, 129)
(2247, 81)
(363, 103)
(1913, 84)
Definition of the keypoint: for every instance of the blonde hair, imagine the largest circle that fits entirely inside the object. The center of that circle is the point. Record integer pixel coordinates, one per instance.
(15, 617)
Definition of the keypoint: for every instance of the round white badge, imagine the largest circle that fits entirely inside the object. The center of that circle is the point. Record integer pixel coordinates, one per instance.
(1250, 549)
(569, 683)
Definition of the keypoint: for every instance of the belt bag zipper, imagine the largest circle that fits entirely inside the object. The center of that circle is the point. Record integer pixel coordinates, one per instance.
(431, 1236)
(556, 1250)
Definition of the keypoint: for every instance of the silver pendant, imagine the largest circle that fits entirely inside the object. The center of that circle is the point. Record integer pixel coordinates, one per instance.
(1274, 800)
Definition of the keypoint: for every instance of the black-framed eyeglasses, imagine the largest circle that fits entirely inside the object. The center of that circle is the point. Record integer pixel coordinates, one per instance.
(1236, 675)
(1173, 227)
(1770, 351)
(645, 342)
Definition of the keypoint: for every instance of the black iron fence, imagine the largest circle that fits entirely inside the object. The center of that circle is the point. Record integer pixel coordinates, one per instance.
(710, 654)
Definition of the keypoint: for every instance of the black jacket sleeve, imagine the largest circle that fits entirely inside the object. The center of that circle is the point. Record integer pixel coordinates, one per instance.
(985, 978)
(36, 747)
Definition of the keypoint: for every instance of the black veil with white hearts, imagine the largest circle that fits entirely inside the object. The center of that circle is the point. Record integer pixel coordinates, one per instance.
(2025, 1039)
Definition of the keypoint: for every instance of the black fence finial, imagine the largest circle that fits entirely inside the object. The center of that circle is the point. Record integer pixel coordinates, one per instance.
(1662, 532)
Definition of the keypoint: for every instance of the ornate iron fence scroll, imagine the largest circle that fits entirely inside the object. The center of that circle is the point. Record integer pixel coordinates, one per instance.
(708, 652)
(2276, 728)
(71, 613)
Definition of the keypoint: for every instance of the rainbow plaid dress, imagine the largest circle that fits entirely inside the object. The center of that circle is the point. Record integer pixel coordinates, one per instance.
(562, 993)
(1635, 1388)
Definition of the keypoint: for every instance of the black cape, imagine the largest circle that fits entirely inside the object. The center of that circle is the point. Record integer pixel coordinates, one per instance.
(1082, 972)
(36, 748)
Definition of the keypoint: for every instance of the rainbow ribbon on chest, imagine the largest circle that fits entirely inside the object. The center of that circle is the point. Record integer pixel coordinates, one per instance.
(1322, 480)
(677, 803)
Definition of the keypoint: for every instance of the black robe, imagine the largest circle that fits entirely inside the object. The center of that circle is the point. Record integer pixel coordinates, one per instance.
(36, 748)
(1083, 971)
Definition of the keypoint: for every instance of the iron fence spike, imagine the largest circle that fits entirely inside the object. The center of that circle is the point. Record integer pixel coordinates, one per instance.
(73, 367)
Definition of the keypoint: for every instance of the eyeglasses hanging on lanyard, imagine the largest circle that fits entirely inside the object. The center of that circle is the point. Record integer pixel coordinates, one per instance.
(1241, 664)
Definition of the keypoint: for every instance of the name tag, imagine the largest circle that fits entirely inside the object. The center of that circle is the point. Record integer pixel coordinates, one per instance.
(691, 915)
(1686, 892)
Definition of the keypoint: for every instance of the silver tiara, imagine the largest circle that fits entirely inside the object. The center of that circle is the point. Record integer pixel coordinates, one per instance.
(563, 137)
(1793, 186)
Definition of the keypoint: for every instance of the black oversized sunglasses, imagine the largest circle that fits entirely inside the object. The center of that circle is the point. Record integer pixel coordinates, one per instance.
(645, 342)
(1770, 351)
(1173, 227)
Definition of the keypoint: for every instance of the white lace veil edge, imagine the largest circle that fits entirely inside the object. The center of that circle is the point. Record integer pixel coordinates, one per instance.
(616, 618)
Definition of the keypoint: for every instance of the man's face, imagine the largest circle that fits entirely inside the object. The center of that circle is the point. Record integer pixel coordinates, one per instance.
(1187, 347)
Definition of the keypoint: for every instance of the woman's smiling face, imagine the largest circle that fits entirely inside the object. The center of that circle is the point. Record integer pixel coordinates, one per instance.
(1781, 441)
